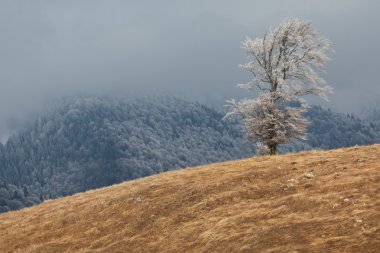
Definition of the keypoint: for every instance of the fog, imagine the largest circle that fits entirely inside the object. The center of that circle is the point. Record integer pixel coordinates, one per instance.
(192, 49)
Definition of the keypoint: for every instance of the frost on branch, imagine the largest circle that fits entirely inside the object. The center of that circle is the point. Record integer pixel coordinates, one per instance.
(286, 65)
(269, 123)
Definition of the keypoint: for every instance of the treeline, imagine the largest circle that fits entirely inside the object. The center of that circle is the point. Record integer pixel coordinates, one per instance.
(14, 198)
(330, 130)
(86, 143)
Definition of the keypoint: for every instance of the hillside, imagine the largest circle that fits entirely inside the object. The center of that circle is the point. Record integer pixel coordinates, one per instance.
(90, 142)
(325, 201)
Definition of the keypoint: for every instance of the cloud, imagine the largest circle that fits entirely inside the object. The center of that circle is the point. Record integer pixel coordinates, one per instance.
(55, 48)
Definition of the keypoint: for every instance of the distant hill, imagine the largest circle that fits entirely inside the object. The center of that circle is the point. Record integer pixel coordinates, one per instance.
(329, 130)
(91, 142)
(316, 201)
(87, 143)
(373, 116)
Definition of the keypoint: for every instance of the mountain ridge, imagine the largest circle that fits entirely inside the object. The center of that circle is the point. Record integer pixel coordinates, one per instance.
(90, 142)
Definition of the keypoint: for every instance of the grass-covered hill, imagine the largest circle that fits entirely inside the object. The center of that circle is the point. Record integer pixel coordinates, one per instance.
(316, 201)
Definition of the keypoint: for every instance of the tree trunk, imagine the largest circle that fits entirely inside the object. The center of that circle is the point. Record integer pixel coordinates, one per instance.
(273, 149)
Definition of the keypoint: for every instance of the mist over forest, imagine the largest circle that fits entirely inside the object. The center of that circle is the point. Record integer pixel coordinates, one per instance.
(93, 93)
(53, 49)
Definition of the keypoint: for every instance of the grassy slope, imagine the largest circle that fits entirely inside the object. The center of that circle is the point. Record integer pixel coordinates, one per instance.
(239, 206)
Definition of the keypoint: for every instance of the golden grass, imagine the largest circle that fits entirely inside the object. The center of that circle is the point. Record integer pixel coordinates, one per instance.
(264, 204)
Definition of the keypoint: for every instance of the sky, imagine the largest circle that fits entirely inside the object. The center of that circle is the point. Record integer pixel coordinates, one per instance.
(191, 49)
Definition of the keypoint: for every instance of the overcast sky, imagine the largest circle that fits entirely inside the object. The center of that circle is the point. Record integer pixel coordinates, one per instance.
(52, 48)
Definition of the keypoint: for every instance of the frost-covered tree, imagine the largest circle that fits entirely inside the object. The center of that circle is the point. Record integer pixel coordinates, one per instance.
(286, 65)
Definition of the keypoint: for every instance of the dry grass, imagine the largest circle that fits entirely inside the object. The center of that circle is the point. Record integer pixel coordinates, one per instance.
(264, 204)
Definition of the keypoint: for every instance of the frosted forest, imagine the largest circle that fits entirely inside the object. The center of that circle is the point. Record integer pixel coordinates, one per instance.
(83, 143)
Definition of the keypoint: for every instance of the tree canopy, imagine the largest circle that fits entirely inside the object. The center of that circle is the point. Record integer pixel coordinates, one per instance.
(285, 64)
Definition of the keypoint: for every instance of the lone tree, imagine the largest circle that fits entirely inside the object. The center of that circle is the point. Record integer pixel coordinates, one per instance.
(286, 65)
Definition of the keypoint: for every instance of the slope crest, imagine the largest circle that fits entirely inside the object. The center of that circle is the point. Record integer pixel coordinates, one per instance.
(325, 201)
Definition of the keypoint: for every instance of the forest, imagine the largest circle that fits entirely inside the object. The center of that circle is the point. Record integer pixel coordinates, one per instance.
(83, 143)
